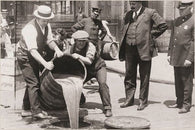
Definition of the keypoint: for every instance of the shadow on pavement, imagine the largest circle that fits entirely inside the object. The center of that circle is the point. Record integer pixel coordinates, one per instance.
(92, 105)
(169, 102)
(136, 101)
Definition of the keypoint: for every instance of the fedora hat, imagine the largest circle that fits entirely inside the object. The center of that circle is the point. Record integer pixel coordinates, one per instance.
(80, 35)
(44, 12)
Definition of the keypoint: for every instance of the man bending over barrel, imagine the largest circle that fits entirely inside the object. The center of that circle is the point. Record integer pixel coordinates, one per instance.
(96, 68)
(35, 40)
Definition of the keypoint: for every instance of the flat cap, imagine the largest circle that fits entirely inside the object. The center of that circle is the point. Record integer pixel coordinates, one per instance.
(80, 35)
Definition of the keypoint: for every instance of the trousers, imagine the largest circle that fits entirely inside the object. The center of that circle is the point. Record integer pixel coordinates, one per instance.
(132, 60)
(184, 85)
(101, 76)
(30, 71)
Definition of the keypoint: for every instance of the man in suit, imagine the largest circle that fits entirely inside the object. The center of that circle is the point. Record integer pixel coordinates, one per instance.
(92, 26)
(137, 48)
(181, 55)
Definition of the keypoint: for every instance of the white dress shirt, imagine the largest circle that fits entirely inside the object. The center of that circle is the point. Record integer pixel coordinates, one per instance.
(29, 34)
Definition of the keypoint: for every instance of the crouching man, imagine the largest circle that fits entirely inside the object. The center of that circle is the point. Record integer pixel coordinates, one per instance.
(96, 68)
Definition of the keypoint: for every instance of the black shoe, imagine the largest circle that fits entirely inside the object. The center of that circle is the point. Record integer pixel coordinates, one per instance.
(26, 113)
(108, 113)
(183, 110)
(141, 107)
(174, 106)
(126, 104)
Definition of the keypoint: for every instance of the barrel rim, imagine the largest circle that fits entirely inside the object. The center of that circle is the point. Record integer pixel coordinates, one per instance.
(84, 67)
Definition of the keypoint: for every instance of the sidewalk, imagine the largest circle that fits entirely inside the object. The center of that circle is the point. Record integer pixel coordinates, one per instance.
(161, 71)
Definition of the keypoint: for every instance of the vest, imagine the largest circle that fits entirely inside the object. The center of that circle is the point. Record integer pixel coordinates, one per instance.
(131, 34)
(41, 40)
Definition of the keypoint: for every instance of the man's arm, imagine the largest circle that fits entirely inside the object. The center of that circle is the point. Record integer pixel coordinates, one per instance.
(190, 56)
(103, 30)
(160, 24)
(78, 26)
(35, 54)
(52, 44)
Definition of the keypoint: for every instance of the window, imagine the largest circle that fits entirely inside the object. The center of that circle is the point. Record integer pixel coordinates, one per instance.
(63, 7)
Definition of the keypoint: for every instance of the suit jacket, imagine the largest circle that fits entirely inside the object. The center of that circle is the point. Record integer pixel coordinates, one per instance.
(145, 32)
(181, 46)
(92, 27)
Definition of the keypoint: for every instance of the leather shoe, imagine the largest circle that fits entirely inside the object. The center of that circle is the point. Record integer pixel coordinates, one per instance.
(174, 106)
(141, 107)
(108, 113)
(183, 110)
(125, 104)
(42, 115)
(26, 113)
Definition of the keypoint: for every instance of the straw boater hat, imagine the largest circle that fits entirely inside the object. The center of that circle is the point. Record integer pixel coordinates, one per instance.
(80, 35)
(44, 12)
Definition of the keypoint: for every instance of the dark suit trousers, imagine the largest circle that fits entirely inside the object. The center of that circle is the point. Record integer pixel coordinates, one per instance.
(132, 60)
(30, 71)
(184, 85)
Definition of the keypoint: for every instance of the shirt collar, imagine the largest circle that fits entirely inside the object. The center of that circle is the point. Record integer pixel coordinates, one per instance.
(139, 10)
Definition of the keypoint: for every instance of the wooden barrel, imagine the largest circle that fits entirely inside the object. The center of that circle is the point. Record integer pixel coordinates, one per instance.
(109, 51)
(51, 95)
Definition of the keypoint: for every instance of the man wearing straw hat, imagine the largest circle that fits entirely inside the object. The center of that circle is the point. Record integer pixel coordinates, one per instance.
(181, 55)
(32, 51)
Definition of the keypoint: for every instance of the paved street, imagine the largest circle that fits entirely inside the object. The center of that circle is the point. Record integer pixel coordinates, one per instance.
(160, 95)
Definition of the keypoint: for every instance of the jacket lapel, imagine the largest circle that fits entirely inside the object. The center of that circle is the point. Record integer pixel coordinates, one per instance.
(141, 15)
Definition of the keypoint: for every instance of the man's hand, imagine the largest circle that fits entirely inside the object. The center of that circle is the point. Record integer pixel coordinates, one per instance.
(187, 63)
(59, 53)
(49, 65)
(75, 56)
(168, 58)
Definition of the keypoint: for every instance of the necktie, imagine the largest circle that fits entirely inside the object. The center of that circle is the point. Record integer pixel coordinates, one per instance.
(135, 16)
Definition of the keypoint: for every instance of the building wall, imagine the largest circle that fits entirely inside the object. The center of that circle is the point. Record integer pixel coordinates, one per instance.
(112, 11)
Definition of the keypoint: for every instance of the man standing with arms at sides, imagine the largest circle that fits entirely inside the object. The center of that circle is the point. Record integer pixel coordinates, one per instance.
(36, 37)
(181, 55)
(137, 48)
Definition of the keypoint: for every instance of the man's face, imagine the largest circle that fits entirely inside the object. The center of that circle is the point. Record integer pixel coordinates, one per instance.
(43, 22)
(80, 44)
(184, 11)
(135, 5)
(94, 15)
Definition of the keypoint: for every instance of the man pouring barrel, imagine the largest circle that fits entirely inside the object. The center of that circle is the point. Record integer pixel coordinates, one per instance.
(84, 50)
(32, 53)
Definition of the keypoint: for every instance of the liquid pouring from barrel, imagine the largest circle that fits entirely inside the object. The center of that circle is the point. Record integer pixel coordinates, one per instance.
(62, 87)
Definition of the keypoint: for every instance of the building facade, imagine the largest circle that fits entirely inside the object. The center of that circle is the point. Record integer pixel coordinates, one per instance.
(65, 11)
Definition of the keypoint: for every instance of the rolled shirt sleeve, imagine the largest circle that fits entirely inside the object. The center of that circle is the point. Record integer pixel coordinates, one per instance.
(91, 51)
